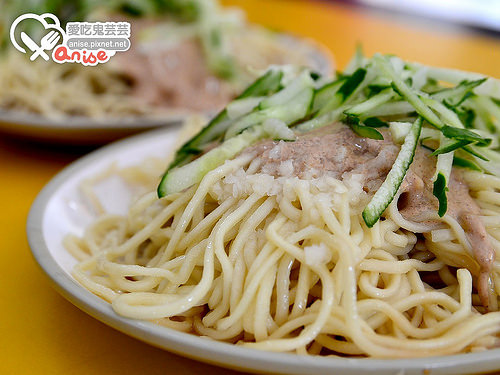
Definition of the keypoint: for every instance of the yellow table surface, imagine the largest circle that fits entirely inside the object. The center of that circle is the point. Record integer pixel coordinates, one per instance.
(42, 333)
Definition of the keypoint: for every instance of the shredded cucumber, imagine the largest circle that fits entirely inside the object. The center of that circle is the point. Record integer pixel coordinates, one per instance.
(399, 130)
(375, 101)
(318, 122)
(358, 61)
(324, 93)
(454, 96)
(490, 111)
(392, 109)
(240, 107)
(267, 84)
(442, 175)
(296, 109)
(345, 91)
(215, 129)
(407, 93)
(460, 122)
(183, 177)
(385, 194)
(448, 116)
(194, 146)
(283, 97)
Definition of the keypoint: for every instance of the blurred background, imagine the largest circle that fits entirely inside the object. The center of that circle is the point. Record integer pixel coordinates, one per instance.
(480, 14)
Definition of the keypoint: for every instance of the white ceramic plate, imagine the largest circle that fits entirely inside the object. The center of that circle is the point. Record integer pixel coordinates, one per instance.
(59, 209)
(84, 130)
(79, 130)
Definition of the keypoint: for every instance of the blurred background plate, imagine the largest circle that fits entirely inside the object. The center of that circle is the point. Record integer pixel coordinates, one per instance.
(79, 130)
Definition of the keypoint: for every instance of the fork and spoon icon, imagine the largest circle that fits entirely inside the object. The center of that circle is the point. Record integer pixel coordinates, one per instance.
(47, 43)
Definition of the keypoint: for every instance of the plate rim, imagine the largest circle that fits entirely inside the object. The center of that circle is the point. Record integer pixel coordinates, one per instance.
(81, 123)
(207, 350)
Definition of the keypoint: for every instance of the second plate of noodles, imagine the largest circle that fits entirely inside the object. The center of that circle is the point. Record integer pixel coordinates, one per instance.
(185, 57)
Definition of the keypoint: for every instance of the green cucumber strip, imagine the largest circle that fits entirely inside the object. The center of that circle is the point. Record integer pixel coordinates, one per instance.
(490, 111)
(423, 110)
(213, 130)
(378, 84)
(491, 142)
(385, 194)
(323, 94)
(366, 131)
(442, 174)
(399, 130)
(407, 93)
(278, 130)
(183, 177)
(457, 127)
(361, 129)
(290, 112)
(467, 116)
(352, 83)
(374, 89)
(471, 150)
(451, 146)
(456, 130)
(460, 162)
(267, 84)
(324, 120)
(398, 66)
(392, 108)
(299, 106)
(375, 101)
(357, 61)
(466, 163)
(482, 118)
(344, 92)
(454, 76)
(419, 77)
(447, 115)
(252, 119)
(482, 121)
(240, 107)
(431, 133)
(439, 191)
(183, 156)
(375, 122)
(453, 97)
(492, 166)
(489, 88)
(431, 86)
(285, 95)
(464, 135)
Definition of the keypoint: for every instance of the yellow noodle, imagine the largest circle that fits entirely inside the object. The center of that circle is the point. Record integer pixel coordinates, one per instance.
(293, 271)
